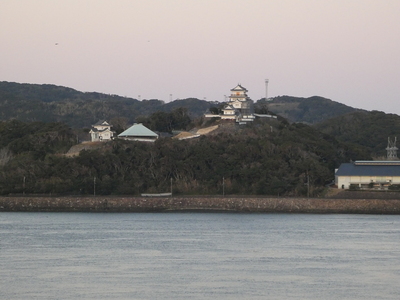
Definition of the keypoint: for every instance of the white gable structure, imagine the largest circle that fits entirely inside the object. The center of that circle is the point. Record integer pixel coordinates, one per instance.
(138, 132)
(101, 131)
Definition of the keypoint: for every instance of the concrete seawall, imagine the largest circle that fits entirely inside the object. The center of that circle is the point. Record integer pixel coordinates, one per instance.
(201, 204)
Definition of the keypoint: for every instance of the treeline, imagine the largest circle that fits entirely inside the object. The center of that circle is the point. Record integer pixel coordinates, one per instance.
(34, 140)
(310, 110)
(366, 129)
(269, 157)
(167, 121)
(51, 103)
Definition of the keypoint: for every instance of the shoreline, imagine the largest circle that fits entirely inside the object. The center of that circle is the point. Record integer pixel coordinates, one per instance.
(235, 204)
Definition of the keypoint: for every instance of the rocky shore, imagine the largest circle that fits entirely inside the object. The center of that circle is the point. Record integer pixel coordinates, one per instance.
(200, 204)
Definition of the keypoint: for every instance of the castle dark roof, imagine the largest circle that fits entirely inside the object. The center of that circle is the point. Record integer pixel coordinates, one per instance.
(101, 122)
(239, 88)
(100, 130)
(229, 107)
(369, 169)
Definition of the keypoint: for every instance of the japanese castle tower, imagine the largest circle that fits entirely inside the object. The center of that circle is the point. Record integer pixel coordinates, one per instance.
(239, 104)
(239, 108)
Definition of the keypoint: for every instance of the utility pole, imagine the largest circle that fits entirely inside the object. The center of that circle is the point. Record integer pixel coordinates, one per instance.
(23, 186)
(223, 186)
(94, 186)
(171, 186)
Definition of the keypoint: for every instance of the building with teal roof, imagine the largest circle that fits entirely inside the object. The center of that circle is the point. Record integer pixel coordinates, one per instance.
(139, 132)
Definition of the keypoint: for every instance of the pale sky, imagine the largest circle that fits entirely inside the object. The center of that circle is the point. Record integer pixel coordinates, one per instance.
(344, 50)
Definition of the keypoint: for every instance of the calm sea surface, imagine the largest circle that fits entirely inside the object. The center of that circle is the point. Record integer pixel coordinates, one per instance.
(199, 256)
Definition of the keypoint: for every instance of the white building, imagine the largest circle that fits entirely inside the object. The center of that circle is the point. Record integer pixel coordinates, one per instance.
(101, 131)
(368, 174)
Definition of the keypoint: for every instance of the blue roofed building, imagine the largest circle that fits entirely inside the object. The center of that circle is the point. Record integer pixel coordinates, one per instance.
(368, 174)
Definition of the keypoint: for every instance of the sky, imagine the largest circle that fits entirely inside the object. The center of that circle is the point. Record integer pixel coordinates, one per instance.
(344, 50)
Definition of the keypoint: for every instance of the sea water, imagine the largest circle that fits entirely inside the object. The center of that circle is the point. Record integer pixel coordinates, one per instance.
(199, 256)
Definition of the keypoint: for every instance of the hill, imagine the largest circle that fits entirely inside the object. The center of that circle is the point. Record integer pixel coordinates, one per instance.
(51, 103)
(306, 110)
(268, 157)
(367, 129)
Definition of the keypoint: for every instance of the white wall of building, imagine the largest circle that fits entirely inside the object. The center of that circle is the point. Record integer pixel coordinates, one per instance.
(345, 181)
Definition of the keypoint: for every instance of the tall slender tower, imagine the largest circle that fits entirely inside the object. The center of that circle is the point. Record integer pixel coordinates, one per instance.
(392, 149)
(266, 89)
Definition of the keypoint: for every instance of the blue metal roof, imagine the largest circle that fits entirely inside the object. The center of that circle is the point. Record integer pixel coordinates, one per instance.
(351, 169)
(377, 162)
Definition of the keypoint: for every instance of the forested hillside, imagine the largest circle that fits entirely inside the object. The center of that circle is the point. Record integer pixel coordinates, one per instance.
(368, 129)
(269, 157)
(306, 110)
(28, 142)
(50, 103)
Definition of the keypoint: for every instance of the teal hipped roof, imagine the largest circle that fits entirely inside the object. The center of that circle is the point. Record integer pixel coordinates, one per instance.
(138, 130)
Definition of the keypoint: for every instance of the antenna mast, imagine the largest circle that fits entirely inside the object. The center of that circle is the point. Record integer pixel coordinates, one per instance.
(392, 149)
(266, 89)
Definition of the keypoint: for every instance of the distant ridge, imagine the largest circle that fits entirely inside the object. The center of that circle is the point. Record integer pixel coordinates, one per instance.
(307, 110)
(52, 103)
